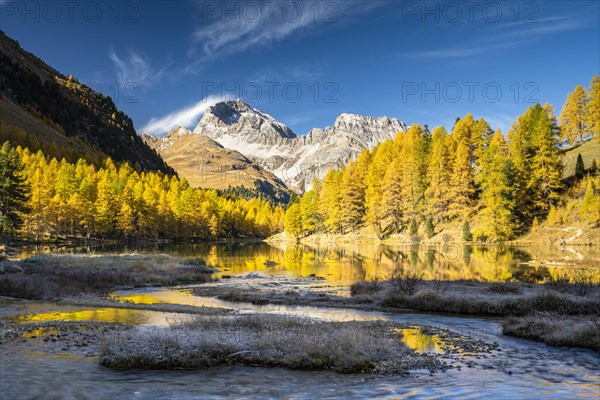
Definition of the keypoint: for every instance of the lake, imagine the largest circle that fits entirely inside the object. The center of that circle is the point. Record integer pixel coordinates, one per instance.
(349, 263)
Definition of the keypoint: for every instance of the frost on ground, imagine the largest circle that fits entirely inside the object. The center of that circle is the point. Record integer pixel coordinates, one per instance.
(52, 276)
(268, 340)
(570, 308)
(556, 330)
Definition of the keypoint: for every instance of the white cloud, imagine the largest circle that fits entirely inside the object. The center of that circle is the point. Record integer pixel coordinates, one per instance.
(135, 69)
(504, 36)
(234, 37)
(187, 117)
(227, 34)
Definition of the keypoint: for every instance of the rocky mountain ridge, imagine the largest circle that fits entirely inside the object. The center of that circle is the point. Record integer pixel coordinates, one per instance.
(297, 160)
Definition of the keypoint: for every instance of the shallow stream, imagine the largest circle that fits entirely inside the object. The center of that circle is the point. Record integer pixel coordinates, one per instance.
(521, 369)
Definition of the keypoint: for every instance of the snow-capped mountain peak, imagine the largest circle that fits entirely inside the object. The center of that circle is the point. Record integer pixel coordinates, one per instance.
(237, 118)
(297, 160)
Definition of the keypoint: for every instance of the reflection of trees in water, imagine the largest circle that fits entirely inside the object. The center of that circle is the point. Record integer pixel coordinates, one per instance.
(448, 261)
(397, 257)
(429, 259)
(519, 254)
(467, 253)
(531, 274)
(414, 258)
(453, 261)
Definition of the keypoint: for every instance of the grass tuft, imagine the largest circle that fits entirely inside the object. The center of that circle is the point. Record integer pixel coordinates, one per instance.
(366, 287)
(581, 284)
(405, 282)
(262, 340)
(556, 329)
(48, 277)
(504, 288)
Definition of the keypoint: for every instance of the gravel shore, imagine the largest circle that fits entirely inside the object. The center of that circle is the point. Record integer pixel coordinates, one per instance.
(69, 335)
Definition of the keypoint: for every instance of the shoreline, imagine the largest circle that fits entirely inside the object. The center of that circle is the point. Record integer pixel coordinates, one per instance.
(542, 312)
(518, 307)
(358, 237)
(15, 245)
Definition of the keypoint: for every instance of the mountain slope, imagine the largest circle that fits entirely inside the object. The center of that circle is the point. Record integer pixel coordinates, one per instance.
(20, 126)
(69, 108)
(589, 150)
(297, 160)
(207, 164)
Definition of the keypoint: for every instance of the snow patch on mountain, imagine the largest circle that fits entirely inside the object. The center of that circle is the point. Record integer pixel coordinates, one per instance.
(297, 160)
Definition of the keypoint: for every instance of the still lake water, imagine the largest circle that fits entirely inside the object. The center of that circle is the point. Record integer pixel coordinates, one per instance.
(353, 262)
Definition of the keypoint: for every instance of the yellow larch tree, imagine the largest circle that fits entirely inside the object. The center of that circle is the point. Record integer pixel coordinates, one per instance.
(573, 124)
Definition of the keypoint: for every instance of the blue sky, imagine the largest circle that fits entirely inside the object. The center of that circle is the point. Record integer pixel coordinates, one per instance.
(304, 63)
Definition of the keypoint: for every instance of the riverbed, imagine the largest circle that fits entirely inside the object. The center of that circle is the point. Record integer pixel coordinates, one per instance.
(520, 369)
(39, 365)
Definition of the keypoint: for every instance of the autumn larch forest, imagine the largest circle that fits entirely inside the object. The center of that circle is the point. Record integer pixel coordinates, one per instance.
(506, 183)
(418, 180)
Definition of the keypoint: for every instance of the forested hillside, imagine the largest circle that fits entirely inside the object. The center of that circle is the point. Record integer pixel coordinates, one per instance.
(46, 110)
(43, 198)
(472, 175)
